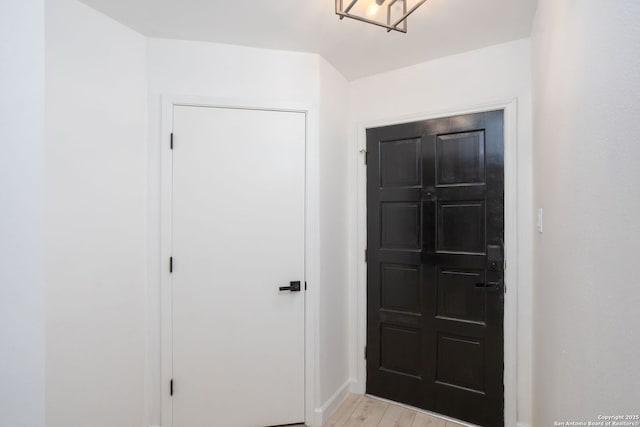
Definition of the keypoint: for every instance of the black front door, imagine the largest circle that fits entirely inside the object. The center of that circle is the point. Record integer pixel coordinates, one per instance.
(435, 292)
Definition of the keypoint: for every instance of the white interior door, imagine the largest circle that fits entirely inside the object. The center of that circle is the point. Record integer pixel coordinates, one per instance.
(238, 235)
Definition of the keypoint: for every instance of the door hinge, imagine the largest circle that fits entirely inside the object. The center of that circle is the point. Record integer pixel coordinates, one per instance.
(171, 139)
(305, 286)
(366, 256)
(171, 387)
(366, 157)
(365, 352)
(170, 264)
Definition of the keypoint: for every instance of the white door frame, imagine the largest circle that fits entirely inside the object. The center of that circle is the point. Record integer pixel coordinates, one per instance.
(511, 241)
(312, 238)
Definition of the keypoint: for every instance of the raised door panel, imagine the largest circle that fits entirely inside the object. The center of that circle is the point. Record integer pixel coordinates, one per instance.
(461, 227)
(400, 163)
(460, 158)
(460, 362)
(461, 294)
(400, 288)
(400, 225)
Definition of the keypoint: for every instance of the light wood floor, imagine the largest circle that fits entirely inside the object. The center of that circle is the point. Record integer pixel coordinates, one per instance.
(364, 411)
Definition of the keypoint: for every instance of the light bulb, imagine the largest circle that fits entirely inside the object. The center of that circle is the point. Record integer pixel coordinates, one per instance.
(373, 8)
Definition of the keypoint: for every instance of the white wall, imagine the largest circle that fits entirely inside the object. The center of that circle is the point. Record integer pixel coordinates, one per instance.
(21, 213)
(455, 83)
(586, 63)
(95, 219)
(260, 77)
(334, 215)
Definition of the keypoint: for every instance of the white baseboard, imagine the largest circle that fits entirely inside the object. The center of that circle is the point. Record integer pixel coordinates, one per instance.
(523, 425)
(323, 413)
(358, 387)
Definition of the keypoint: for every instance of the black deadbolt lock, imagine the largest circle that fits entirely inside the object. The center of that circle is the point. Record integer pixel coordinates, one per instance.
(495, 257)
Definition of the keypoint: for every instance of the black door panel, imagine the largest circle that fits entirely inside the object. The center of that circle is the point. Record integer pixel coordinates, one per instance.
(435, 212)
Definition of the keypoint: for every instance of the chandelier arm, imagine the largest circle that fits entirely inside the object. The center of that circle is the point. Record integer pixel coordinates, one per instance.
(353, 3)
(406, 15)
(369, 21)
(404, 10)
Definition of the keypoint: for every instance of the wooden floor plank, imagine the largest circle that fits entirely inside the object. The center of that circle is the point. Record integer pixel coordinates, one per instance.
(368, 413)
(424, 420)
(397, 416)
(343, 413)
(365, 411)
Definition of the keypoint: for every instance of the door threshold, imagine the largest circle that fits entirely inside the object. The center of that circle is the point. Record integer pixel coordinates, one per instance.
(424, 411)
(290, 425)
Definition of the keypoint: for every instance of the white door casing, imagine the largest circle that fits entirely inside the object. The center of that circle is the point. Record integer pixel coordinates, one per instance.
(238, 209)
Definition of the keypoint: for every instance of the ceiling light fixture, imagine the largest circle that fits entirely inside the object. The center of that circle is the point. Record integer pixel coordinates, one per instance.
(393, 23)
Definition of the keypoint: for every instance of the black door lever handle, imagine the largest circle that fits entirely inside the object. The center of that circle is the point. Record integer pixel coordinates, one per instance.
(293, 287)
(490, 285)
